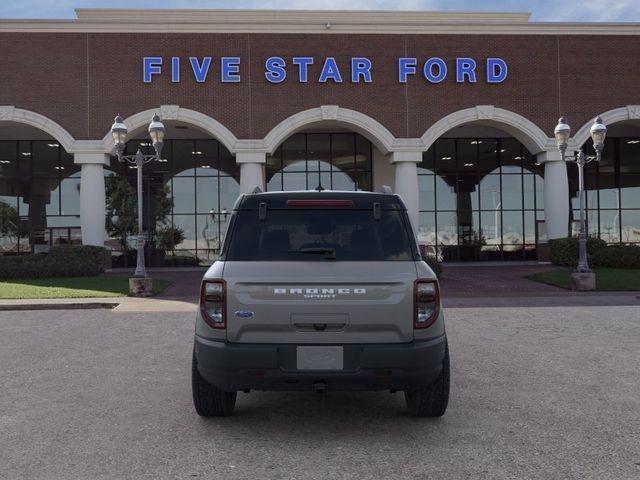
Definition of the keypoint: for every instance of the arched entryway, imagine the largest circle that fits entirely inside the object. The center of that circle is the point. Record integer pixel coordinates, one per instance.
(328, 147)
(39, 184)
(188, 197)
(482, 187)
(613, 185)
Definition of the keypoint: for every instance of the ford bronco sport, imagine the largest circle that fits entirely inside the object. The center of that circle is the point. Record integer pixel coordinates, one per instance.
(320, 291)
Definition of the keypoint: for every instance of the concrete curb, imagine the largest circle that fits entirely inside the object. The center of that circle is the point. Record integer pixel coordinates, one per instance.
(58, 306)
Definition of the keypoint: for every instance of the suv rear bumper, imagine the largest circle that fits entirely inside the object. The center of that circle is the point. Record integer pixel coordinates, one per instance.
(404, 366)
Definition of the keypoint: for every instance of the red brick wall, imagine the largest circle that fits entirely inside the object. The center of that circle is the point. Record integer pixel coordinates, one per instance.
(82, 80)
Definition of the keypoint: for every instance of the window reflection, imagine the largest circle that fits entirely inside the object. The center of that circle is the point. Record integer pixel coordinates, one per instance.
(39, 196)
(336, 161)
(485, 201)
(191, 191)
(612, 191)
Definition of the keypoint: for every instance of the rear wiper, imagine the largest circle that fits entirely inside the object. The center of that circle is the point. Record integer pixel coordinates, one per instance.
(329, 253)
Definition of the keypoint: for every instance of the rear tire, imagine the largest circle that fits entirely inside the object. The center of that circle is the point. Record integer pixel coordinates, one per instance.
(432, 400)
(208, 400)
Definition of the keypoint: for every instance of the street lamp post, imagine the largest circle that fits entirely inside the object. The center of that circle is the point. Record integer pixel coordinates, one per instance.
(583, 278)
(119, 133)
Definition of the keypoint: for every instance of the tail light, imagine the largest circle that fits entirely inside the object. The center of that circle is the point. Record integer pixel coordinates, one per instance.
(212, 303)
(426, 303)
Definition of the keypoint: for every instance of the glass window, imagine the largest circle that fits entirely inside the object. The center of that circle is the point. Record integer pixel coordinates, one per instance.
(427, 194)
(445, 156)
(610, 226)
(467, 154)
(488, 155)
(45, 158)
(511, 155)
(512, 192)
(319, 153)
(350, 235)
(490, 192)
(183, 195)
(428, 164)
(206, 195)
(70, 195)
(8, 159)
(184, 154)
(630, 226)
(445, 194)
(512, 229)
(294, 151)
(427, 228)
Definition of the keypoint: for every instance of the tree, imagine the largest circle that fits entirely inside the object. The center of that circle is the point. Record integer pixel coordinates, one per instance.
(122, 208)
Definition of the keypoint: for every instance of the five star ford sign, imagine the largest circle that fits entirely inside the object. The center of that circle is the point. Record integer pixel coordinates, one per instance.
(361, 69)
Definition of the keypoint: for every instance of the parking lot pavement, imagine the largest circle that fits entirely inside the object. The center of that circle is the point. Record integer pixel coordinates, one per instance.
(538, 392)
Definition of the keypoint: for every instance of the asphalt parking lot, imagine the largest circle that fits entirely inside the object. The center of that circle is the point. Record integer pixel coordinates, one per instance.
(538, 392)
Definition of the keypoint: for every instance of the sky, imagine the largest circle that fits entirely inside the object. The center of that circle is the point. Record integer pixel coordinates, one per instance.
(542, 10)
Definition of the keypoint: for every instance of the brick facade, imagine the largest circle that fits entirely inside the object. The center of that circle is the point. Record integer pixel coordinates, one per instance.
(80, 80)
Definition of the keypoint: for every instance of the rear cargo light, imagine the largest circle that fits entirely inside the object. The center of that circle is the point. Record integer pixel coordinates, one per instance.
(212, 303)
(426, 303)
(320, 203)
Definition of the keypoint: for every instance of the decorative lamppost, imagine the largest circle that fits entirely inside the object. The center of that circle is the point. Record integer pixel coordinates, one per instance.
(156, 132)
(582, 277)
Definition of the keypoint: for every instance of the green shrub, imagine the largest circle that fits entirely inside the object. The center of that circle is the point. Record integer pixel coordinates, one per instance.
(61, 261)
(564, 251)
(431, 260)
(435, 265)
(618, 256)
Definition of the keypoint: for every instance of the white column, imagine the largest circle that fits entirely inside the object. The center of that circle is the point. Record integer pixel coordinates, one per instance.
(556, 194)
(251, 170)
(406, 182)
(92, 197)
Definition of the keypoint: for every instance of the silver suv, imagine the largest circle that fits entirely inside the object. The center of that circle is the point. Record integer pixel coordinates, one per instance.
(320, 291)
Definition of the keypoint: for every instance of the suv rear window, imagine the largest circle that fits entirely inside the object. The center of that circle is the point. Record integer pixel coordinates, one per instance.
(312, 234)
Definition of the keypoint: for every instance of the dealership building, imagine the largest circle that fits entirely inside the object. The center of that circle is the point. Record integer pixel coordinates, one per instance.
(454, 111)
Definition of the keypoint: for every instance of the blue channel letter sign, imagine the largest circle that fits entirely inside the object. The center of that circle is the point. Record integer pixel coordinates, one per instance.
(326, 70)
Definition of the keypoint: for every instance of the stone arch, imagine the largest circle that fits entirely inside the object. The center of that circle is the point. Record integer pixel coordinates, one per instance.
(528, 133)
(177, 113)
(373, 130)
(9, 113)
(621, 114)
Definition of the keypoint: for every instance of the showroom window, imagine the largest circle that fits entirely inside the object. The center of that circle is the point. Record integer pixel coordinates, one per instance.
(333, 161)
(480, 199)
(39, 196)
(188, 198)
(612, 189)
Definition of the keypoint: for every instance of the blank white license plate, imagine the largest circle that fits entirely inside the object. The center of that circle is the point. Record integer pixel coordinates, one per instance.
(320, 358)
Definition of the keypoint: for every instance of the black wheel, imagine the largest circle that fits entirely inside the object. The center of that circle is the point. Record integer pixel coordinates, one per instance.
(208, 400)
(431, 401)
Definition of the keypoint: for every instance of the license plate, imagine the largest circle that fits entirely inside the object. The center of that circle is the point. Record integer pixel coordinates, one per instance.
(320, 358)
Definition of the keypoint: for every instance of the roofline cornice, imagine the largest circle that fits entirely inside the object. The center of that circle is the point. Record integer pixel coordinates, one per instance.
(317, 22)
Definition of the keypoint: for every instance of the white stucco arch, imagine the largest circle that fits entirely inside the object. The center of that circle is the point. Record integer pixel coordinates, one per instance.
(528, 133)
(10, 113)
(621, 114)
(373, 130)
(177, 113)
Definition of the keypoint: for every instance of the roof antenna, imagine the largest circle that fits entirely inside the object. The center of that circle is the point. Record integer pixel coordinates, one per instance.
(319, 188)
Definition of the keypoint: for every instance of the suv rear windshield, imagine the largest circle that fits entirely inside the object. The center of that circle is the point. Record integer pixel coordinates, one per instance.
(320, 235)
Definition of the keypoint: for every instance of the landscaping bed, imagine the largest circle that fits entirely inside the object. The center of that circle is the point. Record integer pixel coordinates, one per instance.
(607, 279)
(71, 287)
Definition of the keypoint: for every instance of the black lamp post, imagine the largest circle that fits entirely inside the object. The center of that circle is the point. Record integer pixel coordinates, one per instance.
(156, 132)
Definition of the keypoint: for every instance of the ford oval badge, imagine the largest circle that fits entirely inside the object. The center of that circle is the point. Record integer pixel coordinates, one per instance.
(244, 314)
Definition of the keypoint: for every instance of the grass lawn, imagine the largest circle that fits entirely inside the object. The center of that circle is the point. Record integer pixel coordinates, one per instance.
(71, 287)
(614, 279)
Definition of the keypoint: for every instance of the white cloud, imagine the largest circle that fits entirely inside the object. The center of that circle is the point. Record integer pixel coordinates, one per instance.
(543, 10)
